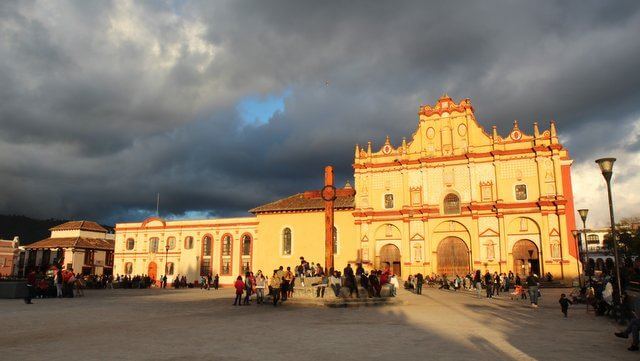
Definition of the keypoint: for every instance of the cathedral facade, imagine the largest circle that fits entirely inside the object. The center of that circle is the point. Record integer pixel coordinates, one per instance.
(451, 199)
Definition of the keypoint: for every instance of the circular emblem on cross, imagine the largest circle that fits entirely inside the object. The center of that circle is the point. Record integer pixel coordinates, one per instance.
(328, 193)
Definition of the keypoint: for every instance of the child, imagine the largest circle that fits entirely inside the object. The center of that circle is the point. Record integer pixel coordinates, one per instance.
(564, 304)
(239, 285)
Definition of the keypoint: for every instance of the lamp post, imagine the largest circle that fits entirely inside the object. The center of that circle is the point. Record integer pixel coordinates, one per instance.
(575, 234)
(606, 167)
(583, 215)
(166, 261)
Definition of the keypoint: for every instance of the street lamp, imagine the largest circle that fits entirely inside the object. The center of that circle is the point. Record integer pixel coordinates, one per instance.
(583, 215)
(166, 261)
(606, 167)
(575, 234)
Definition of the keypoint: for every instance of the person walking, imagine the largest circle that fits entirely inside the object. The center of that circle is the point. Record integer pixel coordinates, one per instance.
(532, 284)
(477, 283)
(275, 284)
(239, 286)
(564, 304)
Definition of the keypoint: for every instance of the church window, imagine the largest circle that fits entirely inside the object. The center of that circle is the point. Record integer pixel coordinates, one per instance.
(170, 268)
(491, 252)
(246, 245)
(388, 201)
(335, 240)
(226, 245)
(286, 242)
(188, 242)
(171, 242)
(451, 204)
(555, 250)
(521, 192)
(246, 266)
(416, 199)
(153, 245)
(226, 267)
(205, 267)
(131, 243)
(206, 246)
(128, 268)
(593, 239)
(486, 192)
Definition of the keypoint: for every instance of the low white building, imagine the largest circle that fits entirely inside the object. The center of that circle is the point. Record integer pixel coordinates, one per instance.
(84, 246)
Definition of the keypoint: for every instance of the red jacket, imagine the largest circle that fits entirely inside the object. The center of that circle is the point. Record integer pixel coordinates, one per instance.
(239, 285)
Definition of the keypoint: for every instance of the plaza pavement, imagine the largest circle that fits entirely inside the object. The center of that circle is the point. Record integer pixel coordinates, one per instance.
(203, 325)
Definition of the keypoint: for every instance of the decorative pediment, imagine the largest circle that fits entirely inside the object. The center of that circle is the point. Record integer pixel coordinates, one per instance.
(489, 233)
(417, 237)
(554, 232)
(364, 239)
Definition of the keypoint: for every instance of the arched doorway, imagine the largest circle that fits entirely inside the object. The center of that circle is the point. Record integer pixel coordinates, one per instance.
(526, 258)
(153, 271)
(453, 257)
(390, 256)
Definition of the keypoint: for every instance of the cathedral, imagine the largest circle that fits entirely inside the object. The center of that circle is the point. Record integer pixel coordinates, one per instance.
(450, 199)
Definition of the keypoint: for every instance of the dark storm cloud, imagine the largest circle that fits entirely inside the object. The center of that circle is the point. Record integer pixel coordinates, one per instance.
(103, 104)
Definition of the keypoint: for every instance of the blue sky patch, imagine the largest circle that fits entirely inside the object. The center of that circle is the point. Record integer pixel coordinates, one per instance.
(256, 109)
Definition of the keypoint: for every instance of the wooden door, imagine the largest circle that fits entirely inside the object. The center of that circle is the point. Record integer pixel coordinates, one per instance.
(153, 271)
(453, 257)
(526, 258)
(390, 254)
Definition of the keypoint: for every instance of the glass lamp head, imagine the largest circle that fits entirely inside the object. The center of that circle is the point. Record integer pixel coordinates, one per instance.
(606, 164)
(583, 214)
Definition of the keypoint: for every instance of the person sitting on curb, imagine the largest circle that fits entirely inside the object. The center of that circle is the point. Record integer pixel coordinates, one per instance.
(633, 328)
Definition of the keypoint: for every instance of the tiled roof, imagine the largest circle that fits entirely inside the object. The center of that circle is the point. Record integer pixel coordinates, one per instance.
(81, 225)
(298, 202)
(73, 242)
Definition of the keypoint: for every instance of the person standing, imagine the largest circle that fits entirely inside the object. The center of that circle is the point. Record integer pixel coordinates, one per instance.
(239, 286)
(532, 284)
(496, 284)
(275, 284)
(59, 281)
(350, 280)
(488, 282)
(248, 288)
(31, 282)
(216, 282)
(633, 328)
(419, 282)
(260, 285)
(394, 285)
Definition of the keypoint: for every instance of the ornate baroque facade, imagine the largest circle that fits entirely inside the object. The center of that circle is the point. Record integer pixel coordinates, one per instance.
(449, 200)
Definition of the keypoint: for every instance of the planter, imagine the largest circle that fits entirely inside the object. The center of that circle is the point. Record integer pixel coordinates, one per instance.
(13, 289)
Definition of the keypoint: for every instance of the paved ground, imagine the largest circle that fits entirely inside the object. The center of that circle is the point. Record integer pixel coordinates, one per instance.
(203, 325)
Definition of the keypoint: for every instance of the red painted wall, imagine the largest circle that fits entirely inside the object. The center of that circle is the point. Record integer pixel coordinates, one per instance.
(570, 214)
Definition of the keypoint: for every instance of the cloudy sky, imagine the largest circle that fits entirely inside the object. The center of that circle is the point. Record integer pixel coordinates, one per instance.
(221, 106)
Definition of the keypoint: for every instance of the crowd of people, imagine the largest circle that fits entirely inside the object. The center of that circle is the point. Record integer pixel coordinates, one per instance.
(280, 286)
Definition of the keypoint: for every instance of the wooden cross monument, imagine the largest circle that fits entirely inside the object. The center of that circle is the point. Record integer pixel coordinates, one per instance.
(329, 193)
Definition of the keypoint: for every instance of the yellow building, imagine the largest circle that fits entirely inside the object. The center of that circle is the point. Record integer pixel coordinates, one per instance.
(451, 199)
